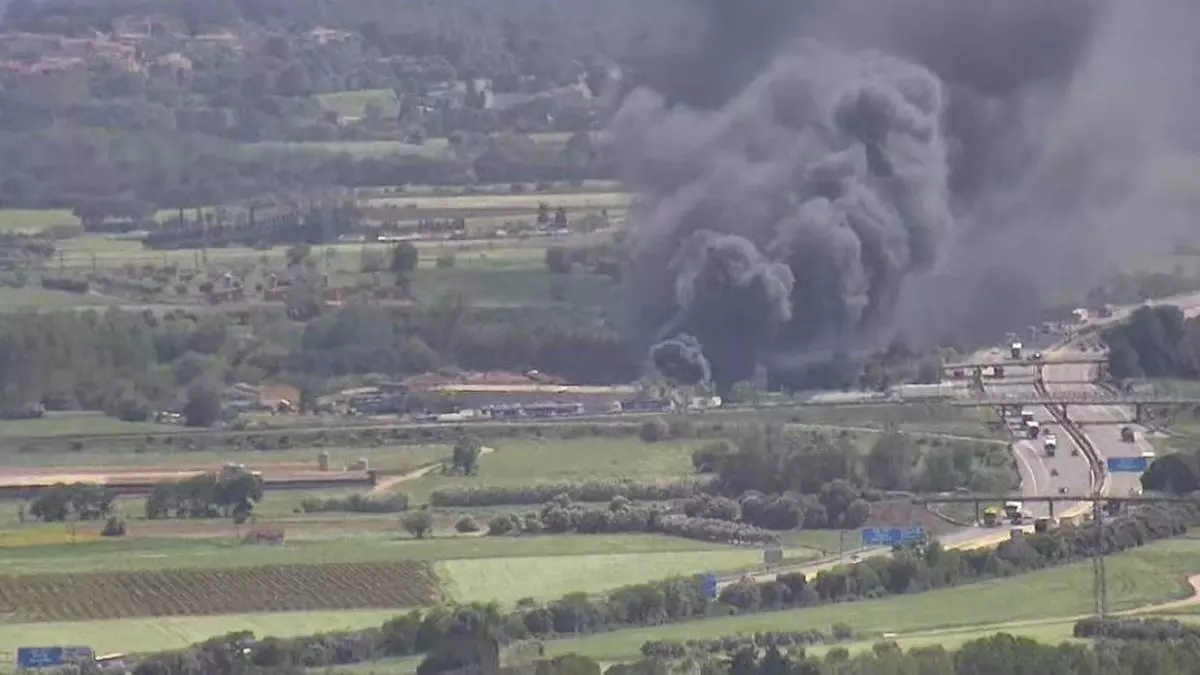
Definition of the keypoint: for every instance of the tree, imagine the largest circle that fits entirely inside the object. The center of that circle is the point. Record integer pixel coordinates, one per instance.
(203, 405)
(418, 523)
(558, 260)
(466, 455)
(405, 258)
(298, 255)
(654, 430)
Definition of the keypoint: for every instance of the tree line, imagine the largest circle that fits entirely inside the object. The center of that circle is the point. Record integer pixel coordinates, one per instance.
(998, 654)
(1156, 341)
(770, 476)
(229, 493)
(130, 364)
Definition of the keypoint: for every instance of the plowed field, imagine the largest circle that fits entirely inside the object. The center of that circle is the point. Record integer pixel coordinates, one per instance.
(73, 597)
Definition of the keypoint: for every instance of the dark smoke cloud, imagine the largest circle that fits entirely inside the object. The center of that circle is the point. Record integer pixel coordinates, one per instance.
(934, 167)
(681, 360)
(792, 214)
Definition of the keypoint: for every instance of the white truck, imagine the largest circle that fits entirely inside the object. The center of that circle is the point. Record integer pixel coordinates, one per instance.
(1050, 445)
(1032, 429)
(1015, 348)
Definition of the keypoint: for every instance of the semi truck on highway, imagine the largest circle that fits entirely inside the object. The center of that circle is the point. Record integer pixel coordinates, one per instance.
(1016, 348)
(1128, 435)
(1033, 428)
(1050, 445)
(991, 516)
(1026, 416)
(1016, 513)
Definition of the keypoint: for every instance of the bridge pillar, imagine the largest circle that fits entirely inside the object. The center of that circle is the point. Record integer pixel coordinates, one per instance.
(978, 518)
(1051, 502)
(1138, 412)
(1038, 372)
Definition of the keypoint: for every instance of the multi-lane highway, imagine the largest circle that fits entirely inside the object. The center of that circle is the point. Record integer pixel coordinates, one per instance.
(1041, 475)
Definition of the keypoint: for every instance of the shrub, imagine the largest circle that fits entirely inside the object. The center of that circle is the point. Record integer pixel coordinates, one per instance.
(558, 260)
(466, 524)
(500, 525)
(709, 457)
(587, 491)
(446, 260)
(418, 523)
(66, 284)
(113, 527)
(654, 430)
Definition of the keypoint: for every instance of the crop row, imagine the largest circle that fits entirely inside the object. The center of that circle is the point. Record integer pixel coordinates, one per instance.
(62, 597)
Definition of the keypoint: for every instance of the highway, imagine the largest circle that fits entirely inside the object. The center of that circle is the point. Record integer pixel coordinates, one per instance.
(1037, 470)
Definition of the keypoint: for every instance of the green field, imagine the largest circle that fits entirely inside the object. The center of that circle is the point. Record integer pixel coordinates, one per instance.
(434, 147)
(502, 569)
(390, 459)
(1147, 576)
(162, 633)
(35, 220)
(38, 298)
(527, 201)
(163, 554)
(354, 103)
(70, 425)
(533, 460)
(507, 580)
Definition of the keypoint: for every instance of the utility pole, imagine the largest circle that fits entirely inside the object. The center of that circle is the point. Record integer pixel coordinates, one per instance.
(1099, 577)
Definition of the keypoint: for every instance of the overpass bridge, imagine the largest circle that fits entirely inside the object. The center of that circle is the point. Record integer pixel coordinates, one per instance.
(1077, 360)
(1013, 403)
(976, 368)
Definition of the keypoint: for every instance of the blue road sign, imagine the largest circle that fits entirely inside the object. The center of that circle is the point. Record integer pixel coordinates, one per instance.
(892, 536)
(708, 584)
(78, 654)
(40, 657)
(1127, 464)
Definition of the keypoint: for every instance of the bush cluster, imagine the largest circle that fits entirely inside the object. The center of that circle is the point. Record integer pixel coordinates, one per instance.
(586, 491)
(561, 515)
(356, 503)
(66, 284)
(731, 644)
(1150, 630)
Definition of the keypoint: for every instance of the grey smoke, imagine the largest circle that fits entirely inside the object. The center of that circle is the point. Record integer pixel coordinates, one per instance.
(793, 213)
(681, 360)
(934, 167)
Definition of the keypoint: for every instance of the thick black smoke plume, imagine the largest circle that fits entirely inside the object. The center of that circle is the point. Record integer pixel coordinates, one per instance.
(681, 360)
(792, 214)
(815, 175)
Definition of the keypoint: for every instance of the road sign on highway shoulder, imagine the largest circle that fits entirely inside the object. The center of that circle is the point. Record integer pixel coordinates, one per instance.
(893, 536)
(39, 657)
(1127, 464)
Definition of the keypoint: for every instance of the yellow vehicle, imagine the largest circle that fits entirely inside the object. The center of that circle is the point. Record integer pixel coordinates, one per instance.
(991, 516)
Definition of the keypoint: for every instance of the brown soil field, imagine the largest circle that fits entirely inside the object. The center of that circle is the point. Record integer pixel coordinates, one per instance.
(76, 597)
(903, 513)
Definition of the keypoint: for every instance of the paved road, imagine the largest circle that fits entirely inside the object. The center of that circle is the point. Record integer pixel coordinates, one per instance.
(1074, 472)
